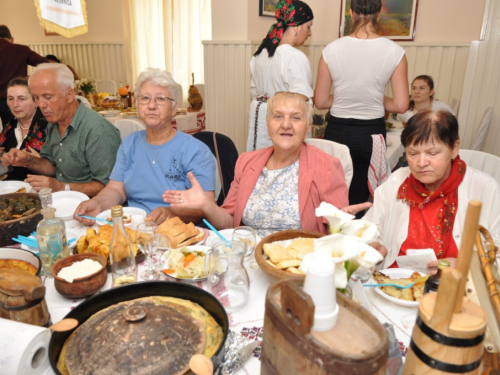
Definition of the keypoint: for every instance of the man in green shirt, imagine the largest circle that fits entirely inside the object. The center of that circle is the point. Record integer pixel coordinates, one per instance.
(81, 146)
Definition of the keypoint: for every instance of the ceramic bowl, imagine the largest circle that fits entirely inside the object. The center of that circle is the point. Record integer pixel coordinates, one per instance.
(83, 286)
(27, 256)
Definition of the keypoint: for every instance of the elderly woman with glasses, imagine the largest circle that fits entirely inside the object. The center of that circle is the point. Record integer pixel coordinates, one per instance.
(278, 187)
(156, 159)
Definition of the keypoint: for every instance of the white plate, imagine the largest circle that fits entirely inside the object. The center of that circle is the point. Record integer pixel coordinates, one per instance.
(8, 187)
(69, 235)
(110, 113)
(395, 273)
(228, 235)
(66, 203)
(129, 114)
(166, 257)
(126, 211)
(388, 143)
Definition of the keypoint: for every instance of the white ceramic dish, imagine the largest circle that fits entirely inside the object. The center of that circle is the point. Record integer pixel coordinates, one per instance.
(129, 114)
(66, 203)
(110, 113)
(395, 273)
(8, 187)
(21, 254)
(166, 257)
(228, 234)
(388, 143)
(70, 234)
(126, 211)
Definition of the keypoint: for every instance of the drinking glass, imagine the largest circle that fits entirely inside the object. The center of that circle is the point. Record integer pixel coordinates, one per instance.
(144, 235)
(362, 274)
(162, 245)
(247, 236)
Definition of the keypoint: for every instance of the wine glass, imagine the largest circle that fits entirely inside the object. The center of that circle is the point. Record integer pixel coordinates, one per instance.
(161, 245)
(144, 235)
(246, 235)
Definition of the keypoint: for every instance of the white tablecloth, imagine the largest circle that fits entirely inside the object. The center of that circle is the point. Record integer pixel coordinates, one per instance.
(250, 320)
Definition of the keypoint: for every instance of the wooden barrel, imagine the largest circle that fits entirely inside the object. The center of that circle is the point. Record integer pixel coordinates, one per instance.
(22, 298)
(358, 344)
(444, 342)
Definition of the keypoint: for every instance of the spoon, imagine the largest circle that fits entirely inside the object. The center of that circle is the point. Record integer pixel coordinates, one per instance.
(64, 325)
(201, 365)
(94, 218)
(421, 279)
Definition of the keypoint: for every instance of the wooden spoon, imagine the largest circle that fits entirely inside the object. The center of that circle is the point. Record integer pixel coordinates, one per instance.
(201, 365)
(64, 325)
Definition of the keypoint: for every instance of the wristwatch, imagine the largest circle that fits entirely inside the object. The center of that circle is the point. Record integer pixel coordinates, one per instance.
(66, 187)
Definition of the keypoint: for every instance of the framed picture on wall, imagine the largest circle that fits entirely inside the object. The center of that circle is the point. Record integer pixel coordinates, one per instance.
(397, 21)
(267, 7)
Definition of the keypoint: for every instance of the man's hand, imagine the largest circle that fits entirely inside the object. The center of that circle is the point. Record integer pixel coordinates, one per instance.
(16, 158)
(40, 182)
(159, 215)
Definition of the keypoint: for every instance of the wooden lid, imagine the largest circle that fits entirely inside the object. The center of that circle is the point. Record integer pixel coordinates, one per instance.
(137, 337)
(15, 282)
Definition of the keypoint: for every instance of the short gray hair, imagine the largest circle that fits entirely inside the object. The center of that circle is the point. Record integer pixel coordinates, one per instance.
(64, 76)
(160, 78)
(297, 99)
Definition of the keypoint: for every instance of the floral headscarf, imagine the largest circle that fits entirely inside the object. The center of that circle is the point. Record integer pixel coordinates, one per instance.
(288, 13)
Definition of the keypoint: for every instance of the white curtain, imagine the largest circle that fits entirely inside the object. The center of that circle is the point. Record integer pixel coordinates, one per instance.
(167, 34)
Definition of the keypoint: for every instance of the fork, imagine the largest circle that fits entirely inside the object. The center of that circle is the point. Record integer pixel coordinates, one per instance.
(417, 281)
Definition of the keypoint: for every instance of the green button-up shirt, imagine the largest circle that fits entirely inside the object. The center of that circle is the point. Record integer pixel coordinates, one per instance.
(87, 150)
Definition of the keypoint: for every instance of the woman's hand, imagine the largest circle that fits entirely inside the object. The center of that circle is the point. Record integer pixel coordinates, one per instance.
(355, 208)
(433, 265)
(380, 248)
(159, 215)
(192, 198)
(34, 152)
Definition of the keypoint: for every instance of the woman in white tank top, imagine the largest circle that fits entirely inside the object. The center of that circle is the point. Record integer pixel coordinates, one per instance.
(359, 66)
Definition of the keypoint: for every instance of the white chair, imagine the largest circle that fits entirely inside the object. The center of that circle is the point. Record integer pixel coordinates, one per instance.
(480, 137)
(84, 101)
(482, 161)
(106, 85)
(127, 127)
(338, 151)
(455, 106)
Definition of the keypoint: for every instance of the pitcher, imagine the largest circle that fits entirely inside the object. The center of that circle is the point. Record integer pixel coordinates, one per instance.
(226, 276)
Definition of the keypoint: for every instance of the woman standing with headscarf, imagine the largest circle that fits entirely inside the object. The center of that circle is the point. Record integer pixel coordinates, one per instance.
(278, 66)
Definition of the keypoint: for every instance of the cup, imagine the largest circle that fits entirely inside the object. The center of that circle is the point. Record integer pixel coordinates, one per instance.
(362, 274)
(158, 256)
(246, 235)
(320, 285)
(227, 278)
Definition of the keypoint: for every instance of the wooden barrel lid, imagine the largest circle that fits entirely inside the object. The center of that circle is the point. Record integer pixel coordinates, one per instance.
(136, 337)
(16, 282)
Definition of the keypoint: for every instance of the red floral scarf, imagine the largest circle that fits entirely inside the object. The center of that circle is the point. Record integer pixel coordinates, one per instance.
(288, 13)
(432, 214)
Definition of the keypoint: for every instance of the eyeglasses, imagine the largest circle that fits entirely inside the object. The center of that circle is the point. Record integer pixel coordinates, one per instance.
(159, 100)
(302, 96)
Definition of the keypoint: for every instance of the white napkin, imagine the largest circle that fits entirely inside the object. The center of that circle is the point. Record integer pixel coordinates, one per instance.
(417, 259)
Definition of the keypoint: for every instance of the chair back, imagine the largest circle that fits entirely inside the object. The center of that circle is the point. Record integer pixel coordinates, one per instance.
(226, 160)
(338, 151)
(127, 127)
(482, 161)
(106, 85)
(480, 137)
(84, 101)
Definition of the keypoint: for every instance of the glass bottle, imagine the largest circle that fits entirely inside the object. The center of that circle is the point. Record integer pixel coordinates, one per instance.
(432, 283)
(50, 234)
(121, 251)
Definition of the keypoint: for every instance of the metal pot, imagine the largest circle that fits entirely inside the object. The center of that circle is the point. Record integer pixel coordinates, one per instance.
(116, 295)
(22, 226)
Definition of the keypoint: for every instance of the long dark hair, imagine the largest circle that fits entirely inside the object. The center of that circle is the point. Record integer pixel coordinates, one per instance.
(429, 81)
(367, 12)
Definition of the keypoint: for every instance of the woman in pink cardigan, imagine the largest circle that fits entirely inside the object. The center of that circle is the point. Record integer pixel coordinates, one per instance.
(278, 187)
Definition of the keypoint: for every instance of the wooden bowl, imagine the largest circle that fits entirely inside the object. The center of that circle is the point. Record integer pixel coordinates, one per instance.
(83, 286)
(283, 235)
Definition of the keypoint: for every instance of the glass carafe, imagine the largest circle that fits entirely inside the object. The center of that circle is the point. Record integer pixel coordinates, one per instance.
(226, 276)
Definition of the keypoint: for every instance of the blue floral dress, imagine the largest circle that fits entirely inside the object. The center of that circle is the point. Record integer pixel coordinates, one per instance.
(274, 202)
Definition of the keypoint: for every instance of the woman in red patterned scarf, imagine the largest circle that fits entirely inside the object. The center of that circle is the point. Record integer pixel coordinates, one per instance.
(423, 205)
(279, 66)
(27, 126)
